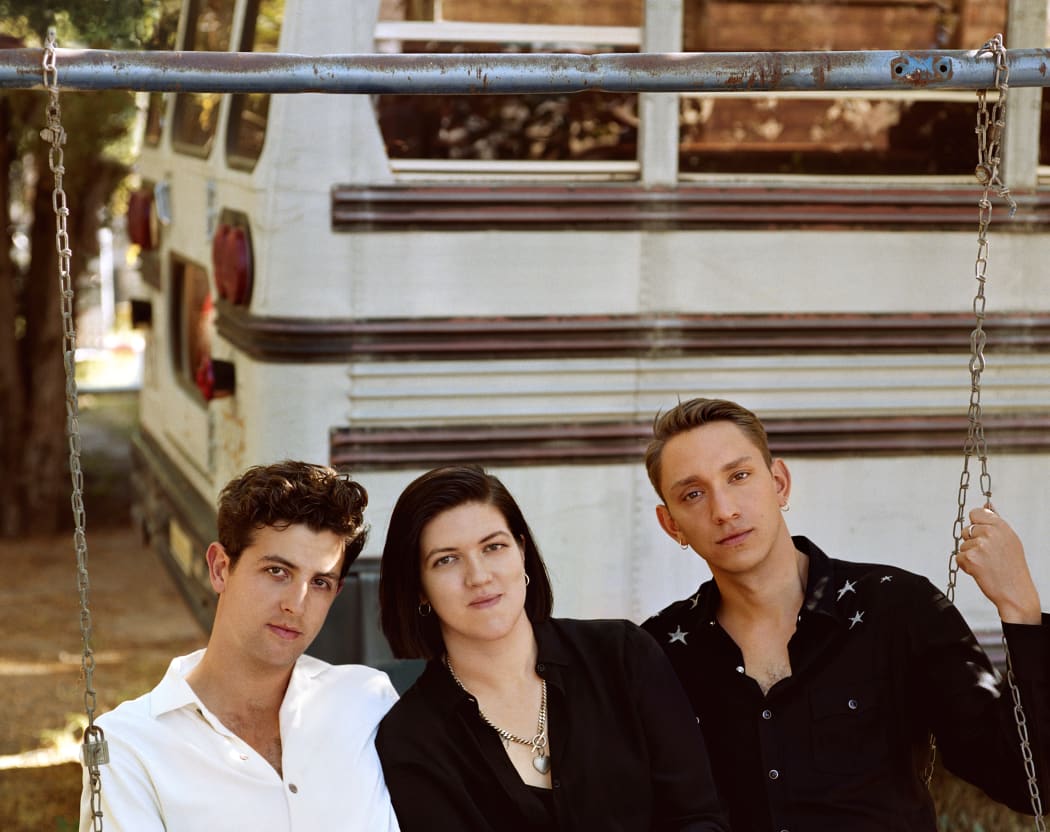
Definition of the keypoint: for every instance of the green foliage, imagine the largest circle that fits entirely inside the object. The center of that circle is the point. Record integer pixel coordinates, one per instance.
(97, 24)
(96, 157)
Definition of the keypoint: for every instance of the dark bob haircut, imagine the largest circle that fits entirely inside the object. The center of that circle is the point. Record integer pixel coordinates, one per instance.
(410, 634)
(290, 493)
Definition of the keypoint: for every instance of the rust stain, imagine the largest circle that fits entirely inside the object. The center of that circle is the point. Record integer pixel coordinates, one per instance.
(921, 69)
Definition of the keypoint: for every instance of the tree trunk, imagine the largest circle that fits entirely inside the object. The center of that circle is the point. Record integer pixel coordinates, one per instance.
(44, 448)
(12, 382)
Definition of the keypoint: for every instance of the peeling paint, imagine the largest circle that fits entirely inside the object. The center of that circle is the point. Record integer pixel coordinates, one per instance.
(542, 73)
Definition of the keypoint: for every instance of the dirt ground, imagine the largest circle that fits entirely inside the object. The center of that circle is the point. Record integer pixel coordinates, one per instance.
(139, 623)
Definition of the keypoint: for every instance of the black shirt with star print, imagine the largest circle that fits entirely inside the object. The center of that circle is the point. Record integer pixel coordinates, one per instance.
(879, 659)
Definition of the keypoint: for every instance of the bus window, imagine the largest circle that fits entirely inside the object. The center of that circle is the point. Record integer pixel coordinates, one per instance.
(248, 111)
(208, 28)
(164, 37)
(1044, 123)
(921, 132)
(191, 320)
(543, 12)
(599, 128)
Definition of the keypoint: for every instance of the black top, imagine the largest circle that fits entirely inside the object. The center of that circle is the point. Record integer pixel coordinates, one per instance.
(879, 659)
(626, 752)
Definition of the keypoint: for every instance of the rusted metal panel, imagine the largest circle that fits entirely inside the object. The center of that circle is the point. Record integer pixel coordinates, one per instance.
(357, 449)
(634, 336)
(466, 206)
(517, 73)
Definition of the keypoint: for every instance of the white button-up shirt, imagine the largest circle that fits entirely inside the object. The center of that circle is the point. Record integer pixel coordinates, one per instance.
(174, 766)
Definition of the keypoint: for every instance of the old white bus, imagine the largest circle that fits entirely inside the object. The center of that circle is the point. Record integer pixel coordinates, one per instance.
(387, 283)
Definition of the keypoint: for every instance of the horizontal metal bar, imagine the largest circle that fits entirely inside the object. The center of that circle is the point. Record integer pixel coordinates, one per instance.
(643, 337)
(545, 73)
(472, 206)
(605, 443)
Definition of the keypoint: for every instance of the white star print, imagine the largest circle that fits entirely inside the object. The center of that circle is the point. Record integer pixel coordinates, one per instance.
(858, 617)
(677, 635)
(847, 587)
(885, 578)
(694, 601)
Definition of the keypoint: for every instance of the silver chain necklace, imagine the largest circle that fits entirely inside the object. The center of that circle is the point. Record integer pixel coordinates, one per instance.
(541, 761)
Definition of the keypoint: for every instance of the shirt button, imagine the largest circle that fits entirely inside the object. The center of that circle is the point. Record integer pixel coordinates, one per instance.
(767, 714)
(852, 704)
(541, 667)
(740, 668)
(244, 756)
(294, 789)
(773, 774)
(555, 784)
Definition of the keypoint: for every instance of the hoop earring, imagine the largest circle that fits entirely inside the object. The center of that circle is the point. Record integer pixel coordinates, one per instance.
(424, 608)
(526, 579)
(683, 544)
(786, 507)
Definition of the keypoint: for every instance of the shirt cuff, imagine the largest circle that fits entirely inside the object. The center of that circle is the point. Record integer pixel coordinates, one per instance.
(1029, 648)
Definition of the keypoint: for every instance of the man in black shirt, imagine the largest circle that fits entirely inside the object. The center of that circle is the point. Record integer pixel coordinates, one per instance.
(818, 681)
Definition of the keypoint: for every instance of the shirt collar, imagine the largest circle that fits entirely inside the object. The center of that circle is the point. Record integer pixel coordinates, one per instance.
(821, 578)
(820, 596)
(550, 645)
(174, 691)
(437, 684)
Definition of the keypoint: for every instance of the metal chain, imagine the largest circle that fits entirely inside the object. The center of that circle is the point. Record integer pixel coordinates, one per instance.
(95, 750)
(991, 124)
(538, 743)
(1026, 747)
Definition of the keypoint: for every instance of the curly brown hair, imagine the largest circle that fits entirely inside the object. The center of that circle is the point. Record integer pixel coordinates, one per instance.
(290, 493)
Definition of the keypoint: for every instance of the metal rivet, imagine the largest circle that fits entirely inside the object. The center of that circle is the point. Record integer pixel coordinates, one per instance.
(767, 714)
(852, 704)
(773, 774)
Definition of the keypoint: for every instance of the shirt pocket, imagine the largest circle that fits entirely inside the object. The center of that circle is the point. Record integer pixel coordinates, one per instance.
(847, 729)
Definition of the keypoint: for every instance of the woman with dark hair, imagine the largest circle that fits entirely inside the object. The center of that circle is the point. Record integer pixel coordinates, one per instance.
(521, 721)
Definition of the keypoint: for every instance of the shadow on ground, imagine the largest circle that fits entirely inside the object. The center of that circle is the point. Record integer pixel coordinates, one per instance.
(139, 622)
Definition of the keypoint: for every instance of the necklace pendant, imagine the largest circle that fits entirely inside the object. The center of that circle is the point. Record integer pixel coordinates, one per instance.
(542, 763)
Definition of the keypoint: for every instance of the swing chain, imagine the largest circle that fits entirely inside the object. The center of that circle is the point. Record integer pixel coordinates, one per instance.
(95, 749)
(991, 124)
(990, 128)
(1026, 748)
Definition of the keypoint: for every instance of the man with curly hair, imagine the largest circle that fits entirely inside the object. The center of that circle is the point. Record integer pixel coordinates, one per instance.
(249, 733)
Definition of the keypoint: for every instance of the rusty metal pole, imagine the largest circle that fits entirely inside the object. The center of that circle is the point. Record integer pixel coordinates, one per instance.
(558, 73)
